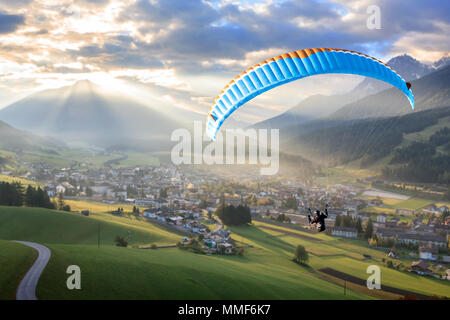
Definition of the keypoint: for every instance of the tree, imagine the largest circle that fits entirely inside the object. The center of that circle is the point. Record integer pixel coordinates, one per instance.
(61, 201)
(231, 215)
(29, 197)
(373, 242)
(203, 204)
(358, 226)
(338, 221)
(11, 194)
(291, 203)
(444, 215)
(88, 192)
(163, 193)
(301, 255)
(447, 194)
(120, 241)
(369, 229)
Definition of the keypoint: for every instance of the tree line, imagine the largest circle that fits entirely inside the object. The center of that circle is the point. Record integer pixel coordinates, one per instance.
(350, 222)
(420, 161)
(14, 194)
(234, 216)
(371, 140)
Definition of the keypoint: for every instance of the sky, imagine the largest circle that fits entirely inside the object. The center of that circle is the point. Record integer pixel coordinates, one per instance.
(183, 52)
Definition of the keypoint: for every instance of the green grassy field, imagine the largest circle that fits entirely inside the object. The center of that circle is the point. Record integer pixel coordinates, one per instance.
(10, 179)
(96, 158)
(138, 159)
(111, 272)
(345, 256)
(57, 227)
(15, 260)
(266, 270)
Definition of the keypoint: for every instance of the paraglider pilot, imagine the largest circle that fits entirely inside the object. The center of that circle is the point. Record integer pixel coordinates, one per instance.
(319, 219)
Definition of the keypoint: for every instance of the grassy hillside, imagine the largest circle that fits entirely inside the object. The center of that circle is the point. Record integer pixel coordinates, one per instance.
(15, 260)
(347, 256)
(50, 226)
(14, 139)
(265, 272)
(111, 272)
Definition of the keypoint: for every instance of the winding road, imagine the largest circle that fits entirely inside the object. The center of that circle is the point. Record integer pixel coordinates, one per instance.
(27, 287)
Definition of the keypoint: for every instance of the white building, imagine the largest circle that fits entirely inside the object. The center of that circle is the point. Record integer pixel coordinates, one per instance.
(381, 218)
(344, 232)
(429, 252)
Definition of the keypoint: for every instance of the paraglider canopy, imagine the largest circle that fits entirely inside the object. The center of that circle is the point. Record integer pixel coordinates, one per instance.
(292, 66)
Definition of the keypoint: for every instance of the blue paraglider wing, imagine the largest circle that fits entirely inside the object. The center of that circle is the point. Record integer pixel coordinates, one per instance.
(292, 66)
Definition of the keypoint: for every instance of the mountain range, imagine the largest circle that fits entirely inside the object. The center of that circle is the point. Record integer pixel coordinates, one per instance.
(86, 113)
(322, 106)
(13, 139)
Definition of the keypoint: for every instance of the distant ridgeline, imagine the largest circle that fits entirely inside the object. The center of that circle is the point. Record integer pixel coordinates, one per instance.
(373, 139)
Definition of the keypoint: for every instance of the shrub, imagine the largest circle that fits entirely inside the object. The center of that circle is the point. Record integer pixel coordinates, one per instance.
(120, 241)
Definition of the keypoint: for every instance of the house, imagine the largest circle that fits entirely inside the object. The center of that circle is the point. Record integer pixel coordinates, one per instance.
(344, 232)
(392, 253)
(161, 218)
(381, 218)
(392, 223)
(412, 238)
(60, 188)
(408, 238)
(149, 214)
(226, 247)
(210, 243)
(429, 252)
(176, 220)
(420, 267)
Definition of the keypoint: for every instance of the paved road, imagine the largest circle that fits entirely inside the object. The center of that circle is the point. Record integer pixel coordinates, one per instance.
(27, 287)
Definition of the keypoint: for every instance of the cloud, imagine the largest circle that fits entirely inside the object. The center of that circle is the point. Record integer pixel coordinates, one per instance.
(10, 22)
(197, 46)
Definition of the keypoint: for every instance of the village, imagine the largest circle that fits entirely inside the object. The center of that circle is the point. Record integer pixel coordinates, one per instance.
(185, 200)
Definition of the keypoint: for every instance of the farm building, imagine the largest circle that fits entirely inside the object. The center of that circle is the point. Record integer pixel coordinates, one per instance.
(344, 232)
(429, 252)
